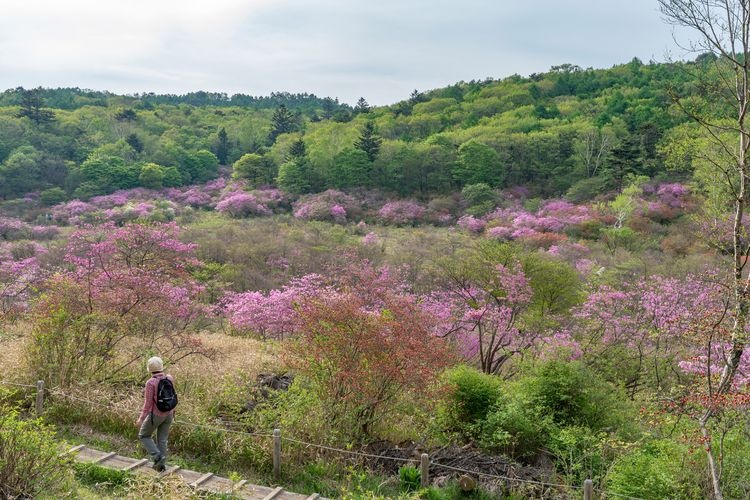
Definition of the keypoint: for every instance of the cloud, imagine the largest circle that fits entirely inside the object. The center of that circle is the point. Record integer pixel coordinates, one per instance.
(344, 48)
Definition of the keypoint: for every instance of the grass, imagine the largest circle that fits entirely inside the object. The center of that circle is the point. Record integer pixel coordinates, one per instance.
(208, 388)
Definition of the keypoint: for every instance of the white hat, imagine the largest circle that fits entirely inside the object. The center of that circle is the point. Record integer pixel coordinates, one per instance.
(155, 364)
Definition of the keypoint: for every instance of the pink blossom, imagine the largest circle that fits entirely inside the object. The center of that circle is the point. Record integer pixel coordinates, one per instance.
(471, 223)
(401, 212)
(241, 204)
(370, 239)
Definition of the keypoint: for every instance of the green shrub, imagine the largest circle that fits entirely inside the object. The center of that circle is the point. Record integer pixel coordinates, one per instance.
(29, 459)
(579, 453)
(410, 478)
(656, 470)
(517, 428)
(572, 394)
(471, 395)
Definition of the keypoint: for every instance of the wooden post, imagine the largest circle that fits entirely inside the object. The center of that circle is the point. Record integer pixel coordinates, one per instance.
(39, 397)
(588, 490)
(277, 453)
(425, 469)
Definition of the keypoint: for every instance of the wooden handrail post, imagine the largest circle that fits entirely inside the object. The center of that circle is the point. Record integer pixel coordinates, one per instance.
(425, 470)
(588, 490)
(277, 453)
(39, 398)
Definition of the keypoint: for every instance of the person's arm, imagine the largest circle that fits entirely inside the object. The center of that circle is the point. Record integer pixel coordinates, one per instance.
(148, 402)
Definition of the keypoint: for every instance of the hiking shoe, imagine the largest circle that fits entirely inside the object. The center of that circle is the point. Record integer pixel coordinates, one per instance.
(160, 464)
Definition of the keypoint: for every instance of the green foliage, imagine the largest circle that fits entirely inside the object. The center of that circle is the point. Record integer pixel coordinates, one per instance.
(30, 464)
(352, 168)
(479, 163)
(95, 475)
(587, 189)
(470, 396)
(655, 470)
(409, 478)
(152, 176)
(480, 198)
(257, 169)
(369, 141)
(52, 196)
(623, 237)
(294, 176)
(517, 427)
(574, 395)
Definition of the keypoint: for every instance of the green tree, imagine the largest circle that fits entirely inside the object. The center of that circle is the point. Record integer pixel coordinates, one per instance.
(32, 104)
(152, 176)
(52, 196)
(282, 122)
(480, 198)
(258, 169)
(135, 143)
(109, 173)
(478, 163)
(362, 106)
(626, 158)
(369, 141)
(21, 172)
(352, 168)
(172, 177)
(207, 166)
(297, 150)
(222, 146)
(294, 176)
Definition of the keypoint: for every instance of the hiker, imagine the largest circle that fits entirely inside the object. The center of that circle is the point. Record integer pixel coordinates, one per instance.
(158, 413)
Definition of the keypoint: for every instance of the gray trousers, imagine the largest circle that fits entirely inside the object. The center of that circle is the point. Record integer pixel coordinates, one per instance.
(161, 426)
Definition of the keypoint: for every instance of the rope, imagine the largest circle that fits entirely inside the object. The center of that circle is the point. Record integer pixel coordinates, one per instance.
(219, 429)
(506, 478)
(4, 382)
(350, 452)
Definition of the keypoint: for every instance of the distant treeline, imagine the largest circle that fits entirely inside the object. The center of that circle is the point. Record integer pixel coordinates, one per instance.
(569, 131)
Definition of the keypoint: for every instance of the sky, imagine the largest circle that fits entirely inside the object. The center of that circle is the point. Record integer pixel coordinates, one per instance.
(378, 49)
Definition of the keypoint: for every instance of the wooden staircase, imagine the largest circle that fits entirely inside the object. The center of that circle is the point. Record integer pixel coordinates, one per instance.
(196, 480)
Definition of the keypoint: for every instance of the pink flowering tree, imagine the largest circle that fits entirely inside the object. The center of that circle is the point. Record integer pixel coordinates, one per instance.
(272, 315)
(657, 327)
(127, 292)
(331, 206)
(482, 313)
(241, 204)
(19, 277)
(402, 212)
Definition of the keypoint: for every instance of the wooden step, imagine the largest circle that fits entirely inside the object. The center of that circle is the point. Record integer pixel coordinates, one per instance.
(275, 493)
(135, 465)
(104, 458)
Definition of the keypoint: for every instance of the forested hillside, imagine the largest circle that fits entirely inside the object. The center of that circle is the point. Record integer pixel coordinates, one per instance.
(569, 130)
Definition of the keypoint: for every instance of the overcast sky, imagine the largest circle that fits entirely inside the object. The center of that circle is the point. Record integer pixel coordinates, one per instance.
(379, 49)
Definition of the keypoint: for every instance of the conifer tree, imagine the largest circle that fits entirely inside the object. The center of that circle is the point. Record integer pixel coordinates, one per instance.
(32, 104)
(369, 141)
(283, 122)
(362, 106)
(222, 147)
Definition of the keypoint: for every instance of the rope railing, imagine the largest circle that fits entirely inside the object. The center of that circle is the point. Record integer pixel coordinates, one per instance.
(278, 438)
(14, 384)
(348, 452)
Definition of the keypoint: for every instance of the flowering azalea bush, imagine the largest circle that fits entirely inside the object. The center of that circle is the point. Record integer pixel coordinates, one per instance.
(127, 291)
(365, 352)
(241, 204)
(401, 212)
(20, 274)
(331, 205)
